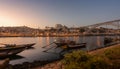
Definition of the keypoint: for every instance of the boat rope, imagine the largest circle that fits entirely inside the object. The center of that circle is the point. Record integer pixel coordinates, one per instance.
(47, 45)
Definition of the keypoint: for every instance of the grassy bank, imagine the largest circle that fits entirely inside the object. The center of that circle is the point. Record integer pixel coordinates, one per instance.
(106, 58)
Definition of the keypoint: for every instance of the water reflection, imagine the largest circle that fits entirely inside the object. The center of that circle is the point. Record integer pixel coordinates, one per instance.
(98, 42)
(37, 52)
(12, 57)
(47, 40)
(15, 57)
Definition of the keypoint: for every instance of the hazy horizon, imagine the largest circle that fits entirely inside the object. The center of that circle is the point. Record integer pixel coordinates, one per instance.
(41, 13)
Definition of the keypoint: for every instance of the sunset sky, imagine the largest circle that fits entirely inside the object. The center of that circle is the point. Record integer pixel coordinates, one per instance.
(41, 13)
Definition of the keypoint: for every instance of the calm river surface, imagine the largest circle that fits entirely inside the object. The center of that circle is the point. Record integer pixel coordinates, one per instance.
(37, 53)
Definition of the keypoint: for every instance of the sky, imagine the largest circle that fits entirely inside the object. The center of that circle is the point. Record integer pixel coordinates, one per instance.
(41, 13)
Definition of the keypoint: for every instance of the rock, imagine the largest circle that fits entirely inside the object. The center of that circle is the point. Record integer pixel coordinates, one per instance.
(4, 63)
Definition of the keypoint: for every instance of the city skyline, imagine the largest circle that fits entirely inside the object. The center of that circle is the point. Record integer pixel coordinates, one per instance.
(41, 13)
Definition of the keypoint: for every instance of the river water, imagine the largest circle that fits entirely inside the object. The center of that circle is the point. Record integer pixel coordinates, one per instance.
(37, 53)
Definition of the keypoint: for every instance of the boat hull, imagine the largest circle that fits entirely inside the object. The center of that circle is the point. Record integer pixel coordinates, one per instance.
(82, 45)
(4, 52)
(71, 46)
(25, 45)
(29, 45)
(60, 44)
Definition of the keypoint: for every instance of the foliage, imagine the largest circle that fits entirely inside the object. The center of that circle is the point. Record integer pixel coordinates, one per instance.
(98, 62)
(114, 56)
(112, 53)
(82, 60)
(108, 59)
(71, 61)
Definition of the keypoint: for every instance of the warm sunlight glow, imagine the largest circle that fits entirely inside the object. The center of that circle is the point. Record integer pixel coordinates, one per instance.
(6, 21)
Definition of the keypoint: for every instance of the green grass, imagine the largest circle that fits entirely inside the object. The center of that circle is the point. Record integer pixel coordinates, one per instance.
(109, 59)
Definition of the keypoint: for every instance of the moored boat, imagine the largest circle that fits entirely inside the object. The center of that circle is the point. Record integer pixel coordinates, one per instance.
(29, 45)
(60, 44)
(7, 51)
(25, 45)
(74, 46)
(67, 44)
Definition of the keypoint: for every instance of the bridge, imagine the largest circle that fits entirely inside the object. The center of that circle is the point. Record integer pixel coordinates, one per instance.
(115, 29)
(112, 23)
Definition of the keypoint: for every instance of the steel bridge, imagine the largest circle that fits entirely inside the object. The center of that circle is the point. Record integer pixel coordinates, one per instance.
(112, 23)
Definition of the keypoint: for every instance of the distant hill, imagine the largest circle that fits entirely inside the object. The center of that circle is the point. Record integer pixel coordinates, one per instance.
(18, 31)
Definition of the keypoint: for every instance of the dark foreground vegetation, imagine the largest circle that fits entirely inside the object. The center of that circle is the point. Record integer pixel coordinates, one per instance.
(107, 59)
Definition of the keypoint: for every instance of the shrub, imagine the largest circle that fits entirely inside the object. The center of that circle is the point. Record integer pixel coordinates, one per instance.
(112, 53)
(75, 60)
(98, 62)
(82, 60)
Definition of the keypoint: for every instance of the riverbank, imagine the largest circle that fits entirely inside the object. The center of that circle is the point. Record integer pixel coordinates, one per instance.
(59, 65)
(101, 50)
(58, 35)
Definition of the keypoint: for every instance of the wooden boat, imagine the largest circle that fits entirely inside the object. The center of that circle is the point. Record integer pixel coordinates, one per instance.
(7, 51)
(66, 45)
(74, 46)
(60, 43)
(25, 45)
(69, 44)
(29, 45)
(64, 42)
